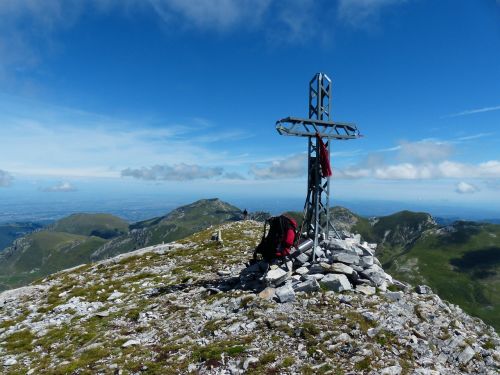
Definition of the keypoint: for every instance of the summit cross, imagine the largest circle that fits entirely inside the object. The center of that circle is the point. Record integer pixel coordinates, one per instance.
(316, 128)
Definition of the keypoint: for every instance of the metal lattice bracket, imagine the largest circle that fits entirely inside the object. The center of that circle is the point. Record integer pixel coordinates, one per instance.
(316, 208)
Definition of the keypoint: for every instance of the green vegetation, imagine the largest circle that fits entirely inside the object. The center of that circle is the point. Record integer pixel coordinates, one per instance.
(288, 361)
(19, 342)
(10, 231)
(100, 225)
(79, 239)
(180, 223)
(364, 364)
(45, 252)
(214, 350)
(461, 265)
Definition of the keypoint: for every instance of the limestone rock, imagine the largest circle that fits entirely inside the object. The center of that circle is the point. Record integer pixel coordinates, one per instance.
(115, 295)
(365, 289)
(276, 277)
(342, 268)
(392, 370)
(307, 286)
(131, 343)
(345, 258)
(335, 282)
(366, 261)
(249, 361)
(394, 296)
(375, 273)
(466, 355)
(285, 293)
(301, 258)
(423, 289)
(302, 271)
(10, 362)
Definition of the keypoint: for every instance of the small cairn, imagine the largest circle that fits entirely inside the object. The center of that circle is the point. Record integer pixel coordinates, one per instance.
(217, 236)
(335, 264)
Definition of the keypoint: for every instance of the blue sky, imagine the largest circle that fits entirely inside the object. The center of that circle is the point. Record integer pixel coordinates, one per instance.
(178, 98)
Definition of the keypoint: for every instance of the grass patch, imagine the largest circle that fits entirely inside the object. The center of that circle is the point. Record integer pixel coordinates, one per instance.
(288, 362)
(385, 338)
(364, 364)
(267, 358)
(214, 350)
(87, 360)
(355, 319)
(19, 342)
(488, 345)
(7, 323)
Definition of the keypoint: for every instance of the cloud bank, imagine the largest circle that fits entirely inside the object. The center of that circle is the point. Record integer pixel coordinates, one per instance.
(62, 187)
(176, 172)
(466, 188)
(293, 166)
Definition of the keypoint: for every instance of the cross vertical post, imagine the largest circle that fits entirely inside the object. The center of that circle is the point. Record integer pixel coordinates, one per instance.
(317, 221)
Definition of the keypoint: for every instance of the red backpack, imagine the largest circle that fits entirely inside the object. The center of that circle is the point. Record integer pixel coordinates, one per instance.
(279, 239)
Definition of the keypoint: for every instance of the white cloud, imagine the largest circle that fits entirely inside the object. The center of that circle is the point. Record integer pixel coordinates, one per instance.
(473, 111)
(5, 179)
(61, 187)
(361, 13)
(424, 171)
(176, 172)
(293, 166)
(466, 188)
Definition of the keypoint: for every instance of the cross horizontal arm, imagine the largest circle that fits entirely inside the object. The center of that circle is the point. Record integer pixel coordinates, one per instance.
(302, 127)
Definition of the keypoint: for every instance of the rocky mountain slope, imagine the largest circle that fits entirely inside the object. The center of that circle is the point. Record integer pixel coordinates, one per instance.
(181, 308)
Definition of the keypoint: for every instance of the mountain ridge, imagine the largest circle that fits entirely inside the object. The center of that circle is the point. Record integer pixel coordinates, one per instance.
(407, 242)
(175, 308)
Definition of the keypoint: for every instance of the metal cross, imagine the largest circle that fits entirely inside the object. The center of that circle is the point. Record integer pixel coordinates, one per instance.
(316, 208)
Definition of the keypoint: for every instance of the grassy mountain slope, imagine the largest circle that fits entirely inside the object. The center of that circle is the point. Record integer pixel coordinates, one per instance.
(10, 231)
(43, 253)
(99, 225)
(461, 263)
(66, 243)
(80, 238)
(179, 223)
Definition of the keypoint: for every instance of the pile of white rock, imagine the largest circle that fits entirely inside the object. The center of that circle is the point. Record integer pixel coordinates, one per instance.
(335, 264)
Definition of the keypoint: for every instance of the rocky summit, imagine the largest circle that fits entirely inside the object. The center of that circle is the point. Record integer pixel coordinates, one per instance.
(196, 306)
